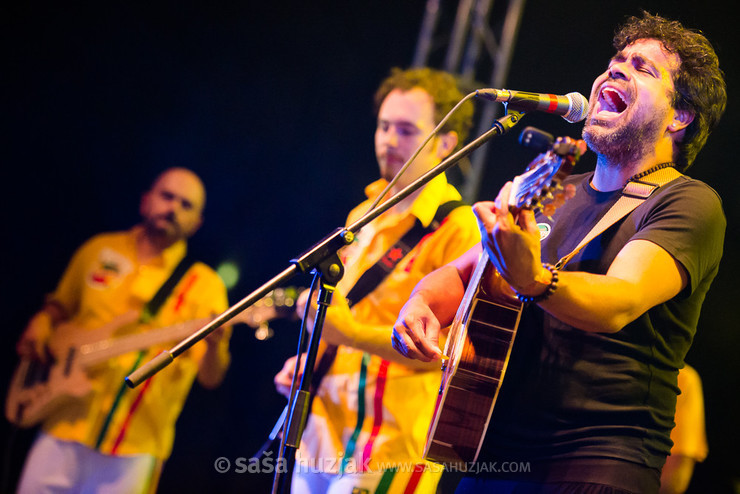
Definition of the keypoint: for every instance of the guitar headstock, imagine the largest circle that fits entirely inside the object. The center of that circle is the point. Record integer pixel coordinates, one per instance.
(279, 303)
(545, 174)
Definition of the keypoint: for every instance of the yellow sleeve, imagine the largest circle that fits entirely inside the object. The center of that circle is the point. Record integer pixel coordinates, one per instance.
(68, 290)
(369, 324)
(689, 435)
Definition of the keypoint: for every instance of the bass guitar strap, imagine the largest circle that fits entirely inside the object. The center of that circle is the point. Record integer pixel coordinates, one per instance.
(152, 307)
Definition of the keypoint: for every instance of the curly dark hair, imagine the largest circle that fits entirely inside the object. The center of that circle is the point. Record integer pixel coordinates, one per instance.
(443, 88)
(699, 82)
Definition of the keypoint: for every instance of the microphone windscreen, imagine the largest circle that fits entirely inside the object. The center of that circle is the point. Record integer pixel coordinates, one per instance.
(578, 107)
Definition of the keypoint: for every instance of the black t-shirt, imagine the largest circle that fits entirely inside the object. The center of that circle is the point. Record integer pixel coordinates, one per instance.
(572, 394)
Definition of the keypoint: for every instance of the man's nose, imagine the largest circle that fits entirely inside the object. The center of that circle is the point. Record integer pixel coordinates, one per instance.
(618, 71)
(391, 136)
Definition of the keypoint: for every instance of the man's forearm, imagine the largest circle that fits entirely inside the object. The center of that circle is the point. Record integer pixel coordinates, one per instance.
(214, 365)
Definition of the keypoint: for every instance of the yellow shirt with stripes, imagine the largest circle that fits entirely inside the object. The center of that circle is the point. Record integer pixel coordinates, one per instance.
(370, 414)
(104, 283)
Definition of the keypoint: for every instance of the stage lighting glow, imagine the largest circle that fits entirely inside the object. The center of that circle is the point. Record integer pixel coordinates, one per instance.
(229, 273)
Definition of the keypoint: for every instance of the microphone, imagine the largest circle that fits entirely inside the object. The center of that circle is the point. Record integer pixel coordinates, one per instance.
(573, 106)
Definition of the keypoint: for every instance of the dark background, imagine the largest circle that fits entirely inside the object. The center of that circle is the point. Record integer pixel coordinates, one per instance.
(271, 103)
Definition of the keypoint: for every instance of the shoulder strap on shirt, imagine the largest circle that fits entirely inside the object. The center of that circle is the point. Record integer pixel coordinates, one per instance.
(371, 278)
(380, 270)
(634, 193)
(153, 306)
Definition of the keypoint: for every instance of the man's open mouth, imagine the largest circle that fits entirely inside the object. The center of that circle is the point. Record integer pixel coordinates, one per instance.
(612, 100)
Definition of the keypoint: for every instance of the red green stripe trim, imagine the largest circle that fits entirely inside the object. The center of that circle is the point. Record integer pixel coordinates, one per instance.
(181, 296)
(116, 402)
(415, 478)
(385, 481)
(127, 420)
(377, 410)
(349, 451)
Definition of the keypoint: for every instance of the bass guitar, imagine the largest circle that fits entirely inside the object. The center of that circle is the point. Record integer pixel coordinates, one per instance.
(38, 388)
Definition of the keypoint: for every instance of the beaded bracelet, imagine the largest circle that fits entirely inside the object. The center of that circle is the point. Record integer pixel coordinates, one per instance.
(548, 291)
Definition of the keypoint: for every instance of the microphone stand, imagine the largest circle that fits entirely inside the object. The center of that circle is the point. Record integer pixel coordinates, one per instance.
(322, 257)
(330, 272)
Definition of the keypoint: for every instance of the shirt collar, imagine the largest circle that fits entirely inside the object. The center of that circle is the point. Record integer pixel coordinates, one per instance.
(171, 256)
(425, 205)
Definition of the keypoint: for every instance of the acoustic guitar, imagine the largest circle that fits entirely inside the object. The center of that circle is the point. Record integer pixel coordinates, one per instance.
(483, 330)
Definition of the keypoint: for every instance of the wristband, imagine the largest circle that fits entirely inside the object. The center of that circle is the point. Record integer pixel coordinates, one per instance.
(551, 287)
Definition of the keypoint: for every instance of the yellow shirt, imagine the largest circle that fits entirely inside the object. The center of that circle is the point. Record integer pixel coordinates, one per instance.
(394, 403)
(689, 435)
(103, 282)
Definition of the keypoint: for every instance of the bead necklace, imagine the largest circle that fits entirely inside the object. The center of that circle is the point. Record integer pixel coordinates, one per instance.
(647, 172)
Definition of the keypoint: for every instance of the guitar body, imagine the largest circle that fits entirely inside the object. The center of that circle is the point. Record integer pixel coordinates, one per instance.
(478, 352)
(482, 333)
(37, 389)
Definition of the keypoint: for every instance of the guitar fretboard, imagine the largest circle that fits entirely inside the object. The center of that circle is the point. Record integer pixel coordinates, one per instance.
(100, 351)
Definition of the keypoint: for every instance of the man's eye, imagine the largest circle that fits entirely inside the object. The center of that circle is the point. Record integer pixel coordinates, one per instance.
(407, 131)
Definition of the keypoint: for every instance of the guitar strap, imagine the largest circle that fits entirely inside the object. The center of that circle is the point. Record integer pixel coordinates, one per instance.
(152, 307)
(634, 193)
(371, 278)
(147, 314)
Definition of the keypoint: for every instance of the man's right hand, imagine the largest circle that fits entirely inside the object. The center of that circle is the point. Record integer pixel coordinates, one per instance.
(416, 332)
(284, 379)
(33, 343)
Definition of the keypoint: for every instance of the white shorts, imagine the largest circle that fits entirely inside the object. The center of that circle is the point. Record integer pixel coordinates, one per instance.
(422, 481)
(53, 465)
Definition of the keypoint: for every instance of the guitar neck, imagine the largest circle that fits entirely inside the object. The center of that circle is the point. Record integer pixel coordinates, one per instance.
(463, 311)
(100, 351)
(476, 278)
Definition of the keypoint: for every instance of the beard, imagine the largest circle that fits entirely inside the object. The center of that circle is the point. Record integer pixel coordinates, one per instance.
(627, 142)
(163, 227)
(389, 165)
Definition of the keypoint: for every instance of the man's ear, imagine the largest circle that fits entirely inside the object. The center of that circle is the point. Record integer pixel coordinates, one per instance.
(681, 120)
(446, 143)
(144, 203)
(197, 225)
